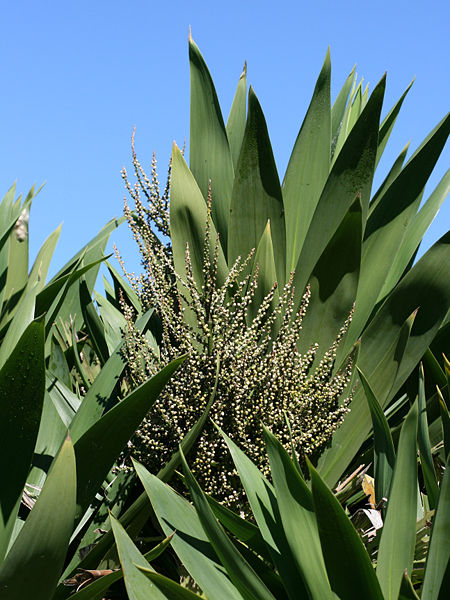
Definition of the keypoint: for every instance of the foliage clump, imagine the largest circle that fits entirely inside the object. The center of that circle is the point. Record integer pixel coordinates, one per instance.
(252, 369)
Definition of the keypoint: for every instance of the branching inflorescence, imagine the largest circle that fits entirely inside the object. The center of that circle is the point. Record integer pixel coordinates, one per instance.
(253, 367)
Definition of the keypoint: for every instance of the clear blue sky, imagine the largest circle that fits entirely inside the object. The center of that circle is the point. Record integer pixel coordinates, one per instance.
(77, 76)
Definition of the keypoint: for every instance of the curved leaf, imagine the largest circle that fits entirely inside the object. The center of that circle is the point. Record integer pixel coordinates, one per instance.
(37, 556)
(256, 196)
(237, 117)
(139, 587)
(190, 541)
(299, 521)
(308, 167)
(209, 152)
(349, 568)
(333, 284)
(384, 453)
(352, 173)
(188, 218)
(439, 548)
(398, 537)
(240, 572)
(108, 436)
(22, 387)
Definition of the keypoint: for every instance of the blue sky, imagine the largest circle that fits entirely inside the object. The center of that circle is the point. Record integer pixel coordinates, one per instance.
(78, 76)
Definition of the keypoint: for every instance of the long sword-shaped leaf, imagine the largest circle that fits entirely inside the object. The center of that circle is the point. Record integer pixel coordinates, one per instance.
(267, 276)
(348, 565)
(383, 447)
(398, 538)
(241, 574)
(299, 521)
(171, 589)
(140, 510)
(426, 286)
(22, 318)
(37, 556)
(423, 438)
(390, 177)
(190, 541)
(98, 448)
(92, 252)
(95, 590)
(414, 234)
(439, 548)
(338, 108)
(188, 219)
(22, 387)
(333, 284)
(139, 587)
(93, 323)
(386, 226)
(256, 196)
(237, 117)
(209, 153)
(352, 173)
(388, 124)
(264, 505)
(100, 394)
(308, 167)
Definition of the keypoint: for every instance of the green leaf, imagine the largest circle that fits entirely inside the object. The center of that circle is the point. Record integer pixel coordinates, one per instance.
(333, 284)
(439, 548)
(92, 253)
(243, 530)
(139, 587)
(113, 320)
(414, 234)
(355, 108)
(390, 177)
(256, 196)
(22, 387)
(241, 574)
(93, 323)
(22, 318)
(100, 394)
(190, 541)
(387, 226)
(425, 286)
(264, 505)
(41, 265)
(398, 537)
(445, 423)
(120, 285)
(388, 124)
(237, 117)
(352, 173)
(57, 365)
(171, 589)
(267, 277)
(209, 151)
(384, 453)
(188, 218)
(299, 521)
(140, 510)
(423, 438)
(308, 167)
(407, 591)
(52, 432)
(349, 568)
(337, 111)
(34, 563)
(36, 279)
(108, 436)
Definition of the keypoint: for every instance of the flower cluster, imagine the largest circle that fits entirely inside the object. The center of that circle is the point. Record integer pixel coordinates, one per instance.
(252, 367)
